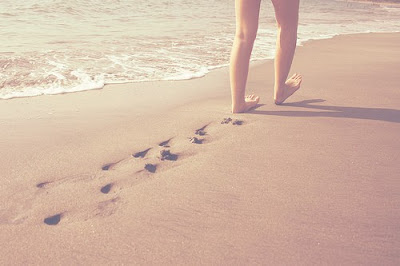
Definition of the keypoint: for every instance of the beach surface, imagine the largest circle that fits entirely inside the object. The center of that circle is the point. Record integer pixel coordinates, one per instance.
(313, 181)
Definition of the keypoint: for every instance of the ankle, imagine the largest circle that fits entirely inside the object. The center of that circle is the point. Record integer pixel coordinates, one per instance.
(237, 108)
(238, 104)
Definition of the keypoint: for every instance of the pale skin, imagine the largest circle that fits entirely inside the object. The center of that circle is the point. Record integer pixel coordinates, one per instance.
(247, 14)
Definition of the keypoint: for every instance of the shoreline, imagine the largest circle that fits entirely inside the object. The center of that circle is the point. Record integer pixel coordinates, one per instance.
(312, 181)
(383, 2)
(209, 69)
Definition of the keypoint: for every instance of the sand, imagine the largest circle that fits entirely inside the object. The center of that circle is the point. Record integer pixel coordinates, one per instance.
(314, 181)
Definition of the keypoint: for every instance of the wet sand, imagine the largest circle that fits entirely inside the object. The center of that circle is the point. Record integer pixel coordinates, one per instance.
(154, 173)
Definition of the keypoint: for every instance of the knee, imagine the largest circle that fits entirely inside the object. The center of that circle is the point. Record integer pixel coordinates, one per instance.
(246, 36)
(288, 26)
(288, 32)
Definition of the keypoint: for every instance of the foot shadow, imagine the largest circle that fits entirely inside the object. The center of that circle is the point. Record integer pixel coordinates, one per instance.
(258, 105)
(378, 114)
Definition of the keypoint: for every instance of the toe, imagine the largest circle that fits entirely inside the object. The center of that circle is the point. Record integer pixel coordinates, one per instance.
(249, 97)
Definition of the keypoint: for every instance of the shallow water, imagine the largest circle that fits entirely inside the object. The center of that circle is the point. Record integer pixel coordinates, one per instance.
(55, 46)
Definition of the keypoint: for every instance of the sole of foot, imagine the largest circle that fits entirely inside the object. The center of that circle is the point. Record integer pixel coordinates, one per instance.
(291, 86)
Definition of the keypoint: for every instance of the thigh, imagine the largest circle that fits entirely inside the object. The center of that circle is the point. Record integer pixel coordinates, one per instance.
(286, 11)
(247, 14)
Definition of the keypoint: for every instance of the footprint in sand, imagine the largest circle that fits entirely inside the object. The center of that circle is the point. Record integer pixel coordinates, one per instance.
(226, 120)
(165, 143)
(105, 189)
(167, 155)
(196, 140)
(66, 179)
(107, 207)
(53, 220)
(42, 185)
(201, 131)
(109, 166)
(235, 122)
(141, 154)
(150, 167)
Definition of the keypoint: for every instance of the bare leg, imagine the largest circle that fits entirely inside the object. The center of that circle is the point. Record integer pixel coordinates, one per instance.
(287, 16)
(247, 13)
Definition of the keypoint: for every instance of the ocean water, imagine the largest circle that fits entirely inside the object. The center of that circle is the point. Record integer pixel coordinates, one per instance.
(58, 46)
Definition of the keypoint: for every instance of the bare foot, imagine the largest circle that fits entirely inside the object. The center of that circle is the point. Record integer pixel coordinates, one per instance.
(250, 101)
(291, 86)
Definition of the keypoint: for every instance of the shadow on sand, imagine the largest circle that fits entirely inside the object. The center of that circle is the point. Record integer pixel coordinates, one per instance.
(379, 114)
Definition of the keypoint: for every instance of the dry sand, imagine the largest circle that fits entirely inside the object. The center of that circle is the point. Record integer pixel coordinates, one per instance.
(314, 181)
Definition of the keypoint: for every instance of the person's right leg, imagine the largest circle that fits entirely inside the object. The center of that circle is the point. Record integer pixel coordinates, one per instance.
(287, 15)
(247, 12)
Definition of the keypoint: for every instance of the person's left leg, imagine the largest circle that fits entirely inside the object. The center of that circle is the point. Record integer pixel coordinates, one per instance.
(287, 16)
(247, 13)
